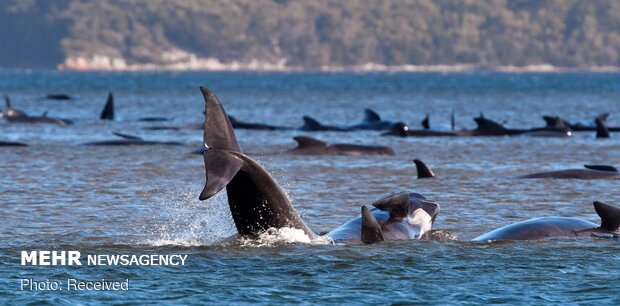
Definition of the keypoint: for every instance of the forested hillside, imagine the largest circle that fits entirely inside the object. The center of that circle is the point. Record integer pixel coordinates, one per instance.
(308, 34)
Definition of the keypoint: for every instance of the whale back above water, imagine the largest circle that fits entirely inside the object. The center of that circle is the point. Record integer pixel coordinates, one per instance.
(401, 216)
(540, 228)
(311, 146)
(14, 115)
(590, 172)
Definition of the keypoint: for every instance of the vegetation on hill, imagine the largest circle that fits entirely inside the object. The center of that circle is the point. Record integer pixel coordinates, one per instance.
(312, 33)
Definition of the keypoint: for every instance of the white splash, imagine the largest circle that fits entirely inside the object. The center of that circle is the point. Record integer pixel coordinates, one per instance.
(284, 235)
(181, 219)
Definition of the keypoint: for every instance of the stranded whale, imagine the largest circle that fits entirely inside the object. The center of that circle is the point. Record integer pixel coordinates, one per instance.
(541, 228)
(17, 116)
(312, 146)
(129, 140)
(590, 172)
(257, 203)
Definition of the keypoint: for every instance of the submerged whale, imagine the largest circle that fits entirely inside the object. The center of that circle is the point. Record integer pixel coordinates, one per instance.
(237, 124)
(257, 203)
(12, 144)
(14, 115)
(540, 228)
(591, 172)
(58, 96)
(311, 146)
(129, 140)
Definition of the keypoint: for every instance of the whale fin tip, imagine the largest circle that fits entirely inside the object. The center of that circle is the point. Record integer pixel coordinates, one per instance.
(610, 216)
(371, 230)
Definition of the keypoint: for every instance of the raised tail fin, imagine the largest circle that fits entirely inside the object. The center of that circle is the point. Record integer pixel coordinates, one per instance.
(108, 109)
(221, 163)
(423, 170)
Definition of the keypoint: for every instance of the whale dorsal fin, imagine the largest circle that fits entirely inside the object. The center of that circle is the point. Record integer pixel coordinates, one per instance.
(371, 230)
(371, 116)
(310, 123)
(397, 205)
(452, 121)
(610, 216)
(126, 136)
(601, 168)
(108, 109)
(221, 163)
(601, 129)
(7, 102)
(487, 124)
(554, 121)
(426, 124)
(308, 142)
(602, 117)
(44, 115)
(423, 170)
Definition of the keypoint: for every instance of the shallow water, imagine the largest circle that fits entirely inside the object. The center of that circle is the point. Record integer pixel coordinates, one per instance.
(58, 194)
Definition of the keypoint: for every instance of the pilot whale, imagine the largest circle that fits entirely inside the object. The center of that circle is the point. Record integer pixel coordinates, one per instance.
(487, 127)
(311, 146)
(129, 140)
(590, 172)
(257, 203)
(14, 115)
(540, 228)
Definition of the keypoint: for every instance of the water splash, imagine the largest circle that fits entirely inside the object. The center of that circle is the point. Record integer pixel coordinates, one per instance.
(285, 235)
(181, 219)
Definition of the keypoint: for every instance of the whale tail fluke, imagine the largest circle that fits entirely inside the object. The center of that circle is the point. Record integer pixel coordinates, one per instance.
(610, 216)
(371, 230)
(423, 170)
(371, 116)
(220, 144)
(108, 109)
(601, 129)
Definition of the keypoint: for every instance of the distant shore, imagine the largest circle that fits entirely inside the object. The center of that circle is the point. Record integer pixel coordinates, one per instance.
(102, 63)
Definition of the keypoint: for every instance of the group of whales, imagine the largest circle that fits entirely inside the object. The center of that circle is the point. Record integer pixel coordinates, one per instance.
(555, 127)
(257, 203)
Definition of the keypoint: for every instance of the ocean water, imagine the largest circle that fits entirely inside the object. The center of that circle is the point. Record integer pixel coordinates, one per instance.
(57, 194)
